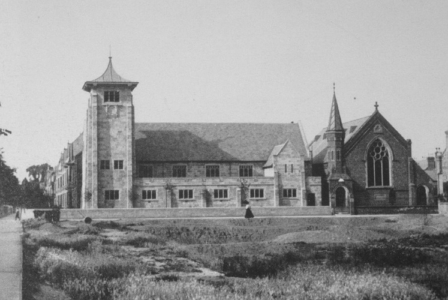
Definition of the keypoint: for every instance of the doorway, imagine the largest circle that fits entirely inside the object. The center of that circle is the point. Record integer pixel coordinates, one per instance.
(340, 197)
(421, 195)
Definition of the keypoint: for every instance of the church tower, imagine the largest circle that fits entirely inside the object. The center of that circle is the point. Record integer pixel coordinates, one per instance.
(335, 136)
(108, 154)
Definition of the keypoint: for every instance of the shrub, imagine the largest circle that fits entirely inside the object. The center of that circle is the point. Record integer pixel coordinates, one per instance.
(32, 223)
(305, 282)
(142, 240)
(76, 242)
(380, 254)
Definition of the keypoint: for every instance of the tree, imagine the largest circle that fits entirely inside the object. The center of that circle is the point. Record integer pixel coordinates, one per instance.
(33, 196)
(38, 172)
(9, 184)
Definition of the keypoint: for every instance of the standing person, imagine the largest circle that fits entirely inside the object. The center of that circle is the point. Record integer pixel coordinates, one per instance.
(249, 214)
(18, 214)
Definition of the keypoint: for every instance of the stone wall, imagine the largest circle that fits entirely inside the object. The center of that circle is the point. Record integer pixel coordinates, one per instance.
(356, 167)
(236, 212)
(198, 169)
(168, 192)
(290, 170)
(443, 208)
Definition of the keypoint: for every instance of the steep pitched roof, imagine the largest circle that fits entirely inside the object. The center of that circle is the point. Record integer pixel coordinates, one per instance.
(335, 122)
(277, 149)
(110, 76)
(78, 145)
(160, 142)
(320, 144)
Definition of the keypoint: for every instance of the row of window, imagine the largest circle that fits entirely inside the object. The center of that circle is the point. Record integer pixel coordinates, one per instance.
(61, 181)
(61, 200)
(331, 155)
(105, 165)
(185, 194)
(181, 171)
(111, 96)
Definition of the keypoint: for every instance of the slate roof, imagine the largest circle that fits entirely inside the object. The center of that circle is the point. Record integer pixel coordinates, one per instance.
(319, 145)
(172, 142)
(335, 122)
(110, 76)
(423, 164)
(78, 145)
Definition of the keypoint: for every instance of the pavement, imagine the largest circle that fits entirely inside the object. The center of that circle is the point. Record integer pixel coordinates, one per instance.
(10, 258)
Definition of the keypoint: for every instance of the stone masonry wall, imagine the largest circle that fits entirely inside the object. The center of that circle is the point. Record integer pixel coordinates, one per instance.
(355, 162)
(236, 212)
(115, 129)
(290, 169)
(198, 169)
(168, 191)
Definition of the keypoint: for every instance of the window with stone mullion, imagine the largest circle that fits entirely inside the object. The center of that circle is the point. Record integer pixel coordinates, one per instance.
(212, 171)
(378, 165)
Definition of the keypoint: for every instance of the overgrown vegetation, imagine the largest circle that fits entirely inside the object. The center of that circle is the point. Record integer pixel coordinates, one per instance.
(86, 263)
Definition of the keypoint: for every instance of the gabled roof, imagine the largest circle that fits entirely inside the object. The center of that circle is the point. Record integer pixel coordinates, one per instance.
(176, 142)
(110, 76)
(320, 144)
(276, 151)
(335, 122)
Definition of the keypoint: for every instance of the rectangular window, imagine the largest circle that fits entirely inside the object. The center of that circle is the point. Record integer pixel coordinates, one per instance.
(111, 96)
(179, 171)
(145, 171)
(185, 194)
(149, 194)
(286, 168)
(246, 171)
(105, 165)
(256, 193)
(292, 168)
(112, 195)
(290, 193)
(338, 155)
(118, 164)
(220, 194)
(212, 171)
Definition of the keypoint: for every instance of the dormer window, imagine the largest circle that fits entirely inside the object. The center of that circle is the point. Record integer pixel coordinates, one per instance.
(111, 96)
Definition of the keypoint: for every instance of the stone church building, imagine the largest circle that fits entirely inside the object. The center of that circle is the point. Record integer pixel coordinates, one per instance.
(366, 163)
(117, 163)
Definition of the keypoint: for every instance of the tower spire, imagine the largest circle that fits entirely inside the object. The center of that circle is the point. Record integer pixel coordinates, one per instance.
(335, 122)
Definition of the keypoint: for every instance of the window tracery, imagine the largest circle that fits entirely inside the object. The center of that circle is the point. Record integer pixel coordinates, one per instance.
(378, 164)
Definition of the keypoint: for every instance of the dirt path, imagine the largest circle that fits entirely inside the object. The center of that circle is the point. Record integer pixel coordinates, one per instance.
(10, 258)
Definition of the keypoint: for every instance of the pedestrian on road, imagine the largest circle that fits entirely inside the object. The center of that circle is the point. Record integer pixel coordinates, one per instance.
(249, 214)
(18, 215)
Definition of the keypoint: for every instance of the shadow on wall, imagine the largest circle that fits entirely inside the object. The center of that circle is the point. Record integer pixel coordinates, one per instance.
(163, 145)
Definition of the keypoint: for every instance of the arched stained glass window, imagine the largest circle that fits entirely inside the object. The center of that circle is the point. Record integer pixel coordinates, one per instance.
(378, 165)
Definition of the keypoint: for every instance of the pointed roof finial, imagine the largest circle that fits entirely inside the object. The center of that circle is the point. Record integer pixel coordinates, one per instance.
(109, 76)
(334, 88)
(376, 105)
(110, 52)
(335, 122)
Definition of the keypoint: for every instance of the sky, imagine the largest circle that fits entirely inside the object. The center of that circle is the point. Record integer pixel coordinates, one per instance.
(222, 61)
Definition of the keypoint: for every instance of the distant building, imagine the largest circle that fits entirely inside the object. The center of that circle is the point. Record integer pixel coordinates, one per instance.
(117, 163)
(437, 167)
(367, 163)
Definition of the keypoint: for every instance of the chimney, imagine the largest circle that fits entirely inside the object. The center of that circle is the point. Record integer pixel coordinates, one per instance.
(431, 163)
(446, 137)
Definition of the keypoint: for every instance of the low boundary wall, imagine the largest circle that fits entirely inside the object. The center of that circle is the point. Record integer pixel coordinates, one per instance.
(235, 212)
(394, 210)
(443, 208)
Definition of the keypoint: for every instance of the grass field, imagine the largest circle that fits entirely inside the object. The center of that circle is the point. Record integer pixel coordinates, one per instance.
(395, 257)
